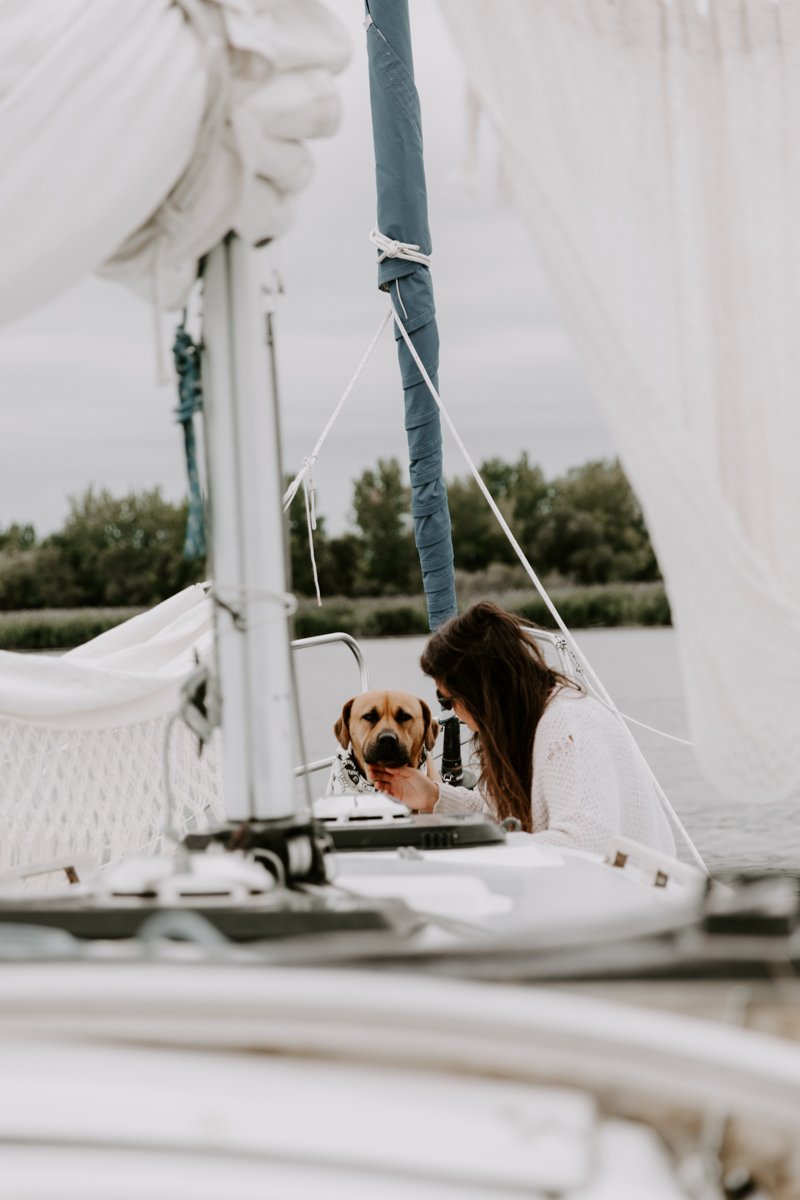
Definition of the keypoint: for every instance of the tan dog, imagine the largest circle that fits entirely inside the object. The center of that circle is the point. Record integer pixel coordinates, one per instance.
(395, 729)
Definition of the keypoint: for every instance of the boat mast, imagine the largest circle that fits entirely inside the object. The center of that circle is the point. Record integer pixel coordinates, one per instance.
(247, 542)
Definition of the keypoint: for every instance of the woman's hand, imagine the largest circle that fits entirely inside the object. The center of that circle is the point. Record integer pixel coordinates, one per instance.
(406, 784)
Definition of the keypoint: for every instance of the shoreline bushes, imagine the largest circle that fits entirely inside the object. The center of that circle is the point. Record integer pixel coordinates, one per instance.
(600, 607)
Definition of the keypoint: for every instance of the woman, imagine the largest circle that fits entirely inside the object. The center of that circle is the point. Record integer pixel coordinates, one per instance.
(549, 754)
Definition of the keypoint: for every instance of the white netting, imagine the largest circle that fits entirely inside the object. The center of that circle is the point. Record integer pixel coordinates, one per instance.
(100, 792)
(82, 741)
(653, 147)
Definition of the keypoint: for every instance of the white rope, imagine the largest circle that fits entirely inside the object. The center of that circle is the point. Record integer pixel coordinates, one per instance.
(672, 737)
(390, 248)
(291, 491)
(534, 578)
(304, 475)
(310, 496)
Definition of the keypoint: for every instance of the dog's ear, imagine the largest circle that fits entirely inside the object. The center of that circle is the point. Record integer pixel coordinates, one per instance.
(342, 726)
(431, 727)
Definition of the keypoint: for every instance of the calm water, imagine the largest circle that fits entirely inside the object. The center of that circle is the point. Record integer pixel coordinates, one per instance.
(640, 669)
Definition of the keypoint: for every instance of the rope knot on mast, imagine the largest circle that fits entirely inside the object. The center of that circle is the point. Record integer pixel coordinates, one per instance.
(391, 248)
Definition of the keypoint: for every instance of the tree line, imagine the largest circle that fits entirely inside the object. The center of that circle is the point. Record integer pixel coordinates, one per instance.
(582, 527)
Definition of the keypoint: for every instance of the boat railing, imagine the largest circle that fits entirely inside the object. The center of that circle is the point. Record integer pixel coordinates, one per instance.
(326, 639)
(568, 663)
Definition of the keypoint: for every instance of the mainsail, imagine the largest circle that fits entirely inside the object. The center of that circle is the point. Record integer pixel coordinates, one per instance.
(652, 147)
(138, 135)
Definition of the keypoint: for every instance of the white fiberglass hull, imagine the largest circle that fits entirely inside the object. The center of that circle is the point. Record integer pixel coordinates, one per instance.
(167, 1079)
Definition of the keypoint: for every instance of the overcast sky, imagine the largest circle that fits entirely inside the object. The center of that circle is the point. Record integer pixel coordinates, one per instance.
(79, 404)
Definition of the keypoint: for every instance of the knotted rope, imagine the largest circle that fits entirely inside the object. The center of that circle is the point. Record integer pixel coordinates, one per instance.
(391, 248)
(186, 354)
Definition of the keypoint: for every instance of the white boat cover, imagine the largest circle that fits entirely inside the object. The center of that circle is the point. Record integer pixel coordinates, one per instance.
(132, 673)
(87, 741)
(137, 133)
(653, 148)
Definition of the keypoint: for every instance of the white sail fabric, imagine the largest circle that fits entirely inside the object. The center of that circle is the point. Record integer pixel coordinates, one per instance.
(654, 148)
(137, 133)
(134, 135)
(82, 740)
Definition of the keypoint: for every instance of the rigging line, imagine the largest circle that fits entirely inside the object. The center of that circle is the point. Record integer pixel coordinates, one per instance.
(672, 737)
(311, 522)
(520, 553)
(291, 491)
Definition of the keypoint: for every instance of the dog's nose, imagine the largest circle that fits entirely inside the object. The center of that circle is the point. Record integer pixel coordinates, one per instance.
(387, 738)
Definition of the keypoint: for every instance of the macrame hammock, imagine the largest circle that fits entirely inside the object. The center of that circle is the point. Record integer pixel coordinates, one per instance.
(92, 751)
(663, 182)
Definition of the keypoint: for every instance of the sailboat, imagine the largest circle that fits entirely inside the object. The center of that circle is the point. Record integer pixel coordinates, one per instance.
(350, 1037)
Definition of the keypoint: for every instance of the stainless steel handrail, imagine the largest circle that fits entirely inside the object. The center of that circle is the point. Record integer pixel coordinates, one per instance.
(570, 666)
(326, 639)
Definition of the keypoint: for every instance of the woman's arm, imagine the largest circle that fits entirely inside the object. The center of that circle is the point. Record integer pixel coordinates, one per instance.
(454, 800)
(411, 787)
(406, 784)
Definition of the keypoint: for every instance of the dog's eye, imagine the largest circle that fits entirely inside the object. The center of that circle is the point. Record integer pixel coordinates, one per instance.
(401, 717)
(372, 717)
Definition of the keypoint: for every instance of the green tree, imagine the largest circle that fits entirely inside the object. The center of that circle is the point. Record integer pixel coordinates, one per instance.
(530, 504)
(381, 512)
(594, 530)
(522, 495)
(126, 550)
(17, 537)
(344, 564)
(477, 538)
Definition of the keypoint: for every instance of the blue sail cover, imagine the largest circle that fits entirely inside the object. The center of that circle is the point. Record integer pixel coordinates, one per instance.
(403, 216)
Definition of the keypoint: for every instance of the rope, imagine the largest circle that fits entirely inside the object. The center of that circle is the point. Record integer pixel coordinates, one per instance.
(672, 737)
(534, 578)
(310, 496)
(186, 354)
(304, 475)
(291, 491)
(232, 600)
(390, 248)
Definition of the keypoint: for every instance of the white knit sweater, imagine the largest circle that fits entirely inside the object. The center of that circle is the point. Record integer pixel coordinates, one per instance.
(588, 781)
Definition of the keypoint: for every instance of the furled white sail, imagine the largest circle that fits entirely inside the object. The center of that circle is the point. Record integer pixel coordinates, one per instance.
(652, 146)
(137, 133)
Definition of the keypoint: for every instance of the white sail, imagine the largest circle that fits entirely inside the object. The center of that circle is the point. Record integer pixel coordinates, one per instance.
(652, 148)
(139, 134)
(135, 137)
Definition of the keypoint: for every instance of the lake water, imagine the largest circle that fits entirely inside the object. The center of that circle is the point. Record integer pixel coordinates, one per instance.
(640, 670)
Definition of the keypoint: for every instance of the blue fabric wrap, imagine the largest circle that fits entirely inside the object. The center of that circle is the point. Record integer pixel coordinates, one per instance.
(403, 216)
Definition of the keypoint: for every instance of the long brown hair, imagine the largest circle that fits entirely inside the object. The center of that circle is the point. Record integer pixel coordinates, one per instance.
(486, 659)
